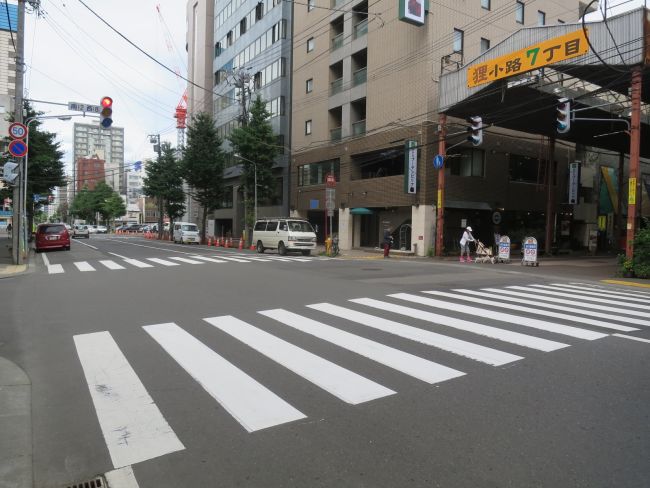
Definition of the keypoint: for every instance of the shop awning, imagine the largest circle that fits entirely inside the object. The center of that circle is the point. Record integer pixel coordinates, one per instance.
(466, 204)
(361, 211)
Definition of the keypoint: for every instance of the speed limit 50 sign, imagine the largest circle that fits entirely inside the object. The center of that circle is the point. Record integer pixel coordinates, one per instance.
(17, 131)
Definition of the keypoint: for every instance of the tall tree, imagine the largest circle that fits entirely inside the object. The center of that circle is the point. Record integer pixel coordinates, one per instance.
(112, 207)
(83, 205)
(203, 163)
(256, 146)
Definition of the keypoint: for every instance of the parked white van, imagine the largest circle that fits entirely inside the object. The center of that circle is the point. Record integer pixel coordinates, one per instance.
(285, 235)
(186, 233)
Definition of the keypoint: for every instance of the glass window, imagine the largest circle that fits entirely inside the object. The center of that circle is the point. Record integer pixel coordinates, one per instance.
(310, 44)
(190, 228)
(272, 225)
(311, 4)
(519, 12)
(307, 127)
(541, 18)
(468, 162)
(309, 85)
(300, 226)
(523, 169)
(283, 225)
(485, 4)
(458, 41)
(261, 225)
(485, 44)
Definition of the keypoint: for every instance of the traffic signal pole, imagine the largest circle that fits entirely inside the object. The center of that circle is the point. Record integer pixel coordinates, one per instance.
(635, 146)
(19, 234)
(440, 210)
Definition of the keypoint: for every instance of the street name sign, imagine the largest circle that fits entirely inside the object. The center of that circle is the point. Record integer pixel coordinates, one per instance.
(84, 107)
(17, 130)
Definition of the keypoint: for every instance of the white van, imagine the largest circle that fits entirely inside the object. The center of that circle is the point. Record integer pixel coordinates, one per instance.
(284, 234)
(186, 233)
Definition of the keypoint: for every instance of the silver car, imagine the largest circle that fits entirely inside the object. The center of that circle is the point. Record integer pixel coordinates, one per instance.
(81, 231)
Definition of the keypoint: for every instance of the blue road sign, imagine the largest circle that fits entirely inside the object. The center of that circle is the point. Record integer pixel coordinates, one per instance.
(438, 161)
(37, 197)
(18, 148)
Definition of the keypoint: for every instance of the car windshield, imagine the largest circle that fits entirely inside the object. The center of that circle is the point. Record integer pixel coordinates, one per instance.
(52, 229)
(300, 226)
(190, 227)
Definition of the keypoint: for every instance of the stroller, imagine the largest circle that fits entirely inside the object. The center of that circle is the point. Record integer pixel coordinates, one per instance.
(483, 253)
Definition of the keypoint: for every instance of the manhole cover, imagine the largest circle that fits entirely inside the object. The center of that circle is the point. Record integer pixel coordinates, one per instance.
(98, 482)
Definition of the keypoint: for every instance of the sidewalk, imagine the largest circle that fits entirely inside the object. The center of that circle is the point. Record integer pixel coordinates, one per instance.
(7, 268)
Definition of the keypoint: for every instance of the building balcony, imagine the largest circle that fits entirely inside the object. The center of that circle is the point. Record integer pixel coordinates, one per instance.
(337, 41)
(360, 76)
(359, 128)
(335, 134)
(337, 3)
(360, 29)
(336, 86)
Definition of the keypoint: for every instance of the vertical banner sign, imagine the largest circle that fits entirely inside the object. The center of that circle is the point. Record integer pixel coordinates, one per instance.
(439, 198)
(574, 182)
(411, 163)
(631, 192)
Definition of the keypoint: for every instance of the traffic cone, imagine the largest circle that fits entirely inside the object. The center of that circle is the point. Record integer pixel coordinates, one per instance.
(241, 242)
(209, 241)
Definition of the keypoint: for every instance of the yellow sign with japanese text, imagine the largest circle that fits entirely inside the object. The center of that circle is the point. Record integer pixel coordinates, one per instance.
(631, 192)
(532, 57)
(439, 198)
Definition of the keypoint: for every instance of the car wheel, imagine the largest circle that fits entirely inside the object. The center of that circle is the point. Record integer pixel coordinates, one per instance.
(282, 249)
(66, 248)
(260, 247)
(306, 252)
(38, 251)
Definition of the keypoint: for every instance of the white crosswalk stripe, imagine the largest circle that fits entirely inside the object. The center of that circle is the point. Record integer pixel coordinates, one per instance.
(111, 264)
(627, 291)
(591, 297)
(237, 260)
(55, 269)
(83, 266)
(185, 260)
(207, 258)
(137, 263)
(601, 292)
(164, 262)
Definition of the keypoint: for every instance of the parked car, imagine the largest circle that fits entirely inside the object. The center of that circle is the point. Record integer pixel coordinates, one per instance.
(102, 229)
(81, 231)
(285, 235)
(68, 227)
(186, 233)
(92, 229)
(52, 236)
(134, 228)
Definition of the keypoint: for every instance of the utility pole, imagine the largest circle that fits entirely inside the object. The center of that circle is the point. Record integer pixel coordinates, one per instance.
(19, 233)
(155, 140)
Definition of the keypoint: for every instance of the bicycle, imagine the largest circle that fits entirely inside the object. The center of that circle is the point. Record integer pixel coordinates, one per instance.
(334, 250)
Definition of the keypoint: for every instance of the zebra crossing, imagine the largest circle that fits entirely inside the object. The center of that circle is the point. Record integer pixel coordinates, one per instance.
(528, 326)
(123, 263)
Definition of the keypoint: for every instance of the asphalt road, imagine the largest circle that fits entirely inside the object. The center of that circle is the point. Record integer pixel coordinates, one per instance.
(127, 374)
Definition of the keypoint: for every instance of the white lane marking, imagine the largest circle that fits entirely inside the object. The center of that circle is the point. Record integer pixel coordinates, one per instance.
(578, 302)
(601, 294)
(340, 382)
(450, 344)
(166, 248)
(590, 296)
(83, 266)
(233, 259)
(632, 338)
(503, 317)
(277, 258)
(111, 264)
(122, 478)
(133, 427)
(164, 262)
(409, 364)
(289, 258)
(499, 296)
(206, 258)
(535, 311)
(185, 260)
(628, 291)
(253, 405)
(79, 242)
(485, 330)
(46, 261)
(55, 269)
(266, 260)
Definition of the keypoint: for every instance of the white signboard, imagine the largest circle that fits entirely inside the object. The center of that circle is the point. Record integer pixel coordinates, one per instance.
(504, 248)
(84, 107)
(530, 250)
(412, 166)
(574, 182)
(330, 198)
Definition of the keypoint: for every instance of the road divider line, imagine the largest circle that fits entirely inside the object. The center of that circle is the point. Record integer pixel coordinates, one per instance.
(344, 384)
(407, 363)
(85, 244)
(253, 405)
(627, 283)
(132, 425)
(632, 338)
(46, 260)
(517, 338)
(455, 346)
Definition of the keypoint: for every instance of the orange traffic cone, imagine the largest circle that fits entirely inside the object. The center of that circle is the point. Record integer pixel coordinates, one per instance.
(241, 242)
(209, 241)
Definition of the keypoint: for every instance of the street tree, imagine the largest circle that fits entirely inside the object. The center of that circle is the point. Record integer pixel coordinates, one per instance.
(112, 207)
(203, 163)
(256, 145)
(83, 205)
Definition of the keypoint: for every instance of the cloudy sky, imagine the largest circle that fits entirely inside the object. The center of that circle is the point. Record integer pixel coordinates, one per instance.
(72, 56)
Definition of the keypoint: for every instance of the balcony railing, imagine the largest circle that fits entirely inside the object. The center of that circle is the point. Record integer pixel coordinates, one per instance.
(337, 41)
(335, 134)
(336, 86)
(360, 29)
(359, 77)
(359, 128)
(336, 3)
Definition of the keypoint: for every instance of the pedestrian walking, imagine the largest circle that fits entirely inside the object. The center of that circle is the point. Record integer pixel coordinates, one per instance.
(388, 242)
(9, 229)
(464, 244)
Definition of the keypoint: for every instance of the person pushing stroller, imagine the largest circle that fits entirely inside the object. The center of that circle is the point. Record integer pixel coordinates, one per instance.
(464, 244)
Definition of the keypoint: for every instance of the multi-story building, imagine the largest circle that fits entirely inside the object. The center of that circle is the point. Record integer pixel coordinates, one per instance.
(133, 186)
(108, 144)
(251, 56)
(8, 31)
(365, 84)
(89, 172)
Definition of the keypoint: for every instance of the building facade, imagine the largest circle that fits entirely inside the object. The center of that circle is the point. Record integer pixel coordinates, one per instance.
(8, 27)
(365, 86)
(89, 171)
(108, 144)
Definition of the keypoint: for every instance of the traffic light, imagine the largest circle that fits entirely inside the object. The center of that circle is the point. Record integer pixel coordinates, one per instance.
(8, 173)
(106, 115)
(563, 115)
(475, 130)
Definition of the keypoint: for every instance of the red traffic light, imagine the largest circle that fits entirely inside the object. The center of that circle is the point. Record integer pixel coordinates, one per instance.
(106, 102)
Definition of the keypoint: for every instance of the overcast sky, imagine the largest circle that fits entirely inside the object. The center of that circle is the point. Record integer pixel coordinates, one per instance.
(72, 56)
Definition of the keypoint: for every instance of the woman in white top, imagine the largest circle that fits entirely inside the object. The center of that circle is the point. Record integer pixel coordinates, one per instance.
(464, 244)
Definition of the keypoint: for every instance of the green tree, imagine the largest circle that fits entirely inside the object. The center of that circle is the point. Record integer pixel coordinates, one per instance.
(113, 207)
(203, 163)
(83, 205)
(256, 145)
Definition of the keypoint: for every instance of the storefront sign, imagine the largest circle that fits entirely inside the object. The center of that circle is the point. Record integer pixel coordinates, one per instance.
(530, 250)
(411, 162)
(412, 11)
(504, 248)
(532, 57)
(574, 182)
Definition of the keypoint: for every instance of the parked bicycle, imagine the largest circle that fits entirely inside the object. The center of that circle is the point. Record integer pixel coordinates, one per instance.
(334, 250)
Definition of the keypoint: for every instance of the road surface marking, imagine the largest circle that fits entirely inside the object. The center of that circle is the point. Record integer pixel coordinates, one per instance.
(340, 382)
(122, 478)
(185, 260)
(289, 258)
(266, 260)
(250, 403)
(591, 296)
(536, 311)
(502, 295)
(604, 292)
(83, 266)
(164, 262)
(409, 364)
(485, 330)
(233, 259)
(133, 262)
(627, 283)
(632, 338)
(449, 344)
(112, 264)
(52, 268)
(503, 317)
(206, 258)
(579, 301)
(133, 427)
(92, 247)
(626, 291)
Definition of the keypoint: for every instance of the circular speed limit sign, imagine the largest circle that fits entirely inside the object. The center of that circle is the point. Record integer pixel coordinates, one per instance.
(17, 131)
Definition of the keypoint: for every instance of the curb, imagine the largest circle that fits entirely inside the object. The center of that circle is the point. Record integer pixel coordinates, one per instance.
(626, 283)
(16, 426)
